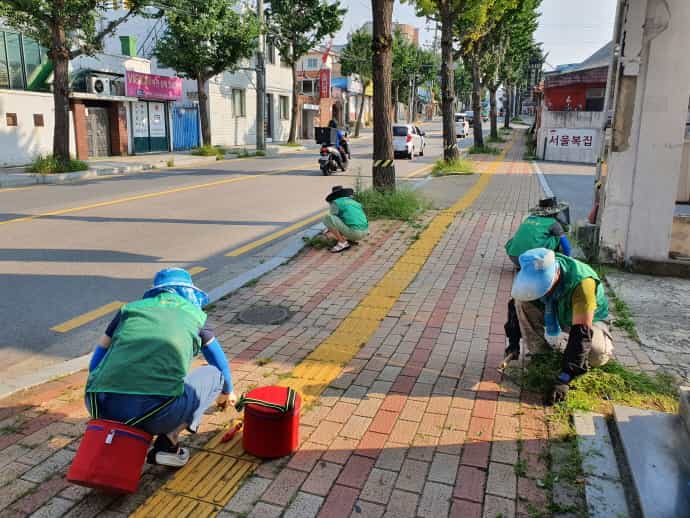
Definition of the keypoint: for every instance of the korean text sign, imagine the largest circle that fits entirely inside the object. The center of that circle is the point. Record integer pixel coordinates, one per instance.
(151, 86)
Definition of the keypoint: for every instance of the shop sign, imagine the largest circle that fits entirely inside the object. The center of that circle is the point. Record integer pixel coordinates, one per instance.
(151, 86)
(571, 138)
(325, 83)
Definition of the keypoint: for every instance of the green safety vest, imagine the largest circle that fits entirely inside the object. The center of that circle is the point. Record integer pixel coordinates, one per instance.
(573, 272)
(152, 348)
(352, 213)
(534, 232)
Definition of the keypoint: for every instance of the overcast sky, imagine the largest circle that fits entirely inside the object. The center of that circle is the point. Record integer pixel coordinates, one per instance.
(571, 30)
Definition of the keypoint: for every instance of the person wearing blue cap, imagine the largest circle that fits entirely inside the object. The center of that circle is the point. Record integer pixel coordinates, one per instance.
(556, 293)
(140, 370)
(545, 227)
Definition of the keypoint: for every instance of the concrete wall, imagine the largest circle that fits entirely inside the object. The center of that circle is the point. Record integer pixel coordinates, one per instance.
(20, 144)
(556, 124)
(645, 162)
(683, 195)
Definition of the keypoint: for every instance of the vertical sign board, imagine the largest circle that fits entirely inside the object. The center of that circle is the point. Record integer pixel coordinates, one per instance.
(572, 145)
(325, 83)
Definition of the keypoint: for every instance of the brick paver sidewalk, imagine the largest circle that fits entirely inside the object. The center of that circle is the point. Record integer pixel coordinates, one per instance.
(417, 423)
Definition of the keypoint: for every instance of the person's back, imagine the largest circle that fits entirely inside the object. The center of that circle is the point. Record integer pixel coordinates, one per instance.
(352, 213)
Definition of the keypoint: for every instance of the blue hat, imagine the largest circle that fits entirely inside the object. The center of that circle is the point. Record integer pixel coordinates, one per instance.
(537, 274)
(178, 281)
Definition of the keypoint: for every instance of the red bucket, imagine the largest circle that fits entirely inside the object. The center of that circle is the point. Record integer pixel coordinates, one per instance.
(110, 457)
(268, 432)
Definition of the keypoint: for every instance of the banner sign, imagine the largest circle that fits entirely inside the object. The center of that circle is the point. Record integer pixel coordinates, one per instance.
(325, 83)
(151, 86)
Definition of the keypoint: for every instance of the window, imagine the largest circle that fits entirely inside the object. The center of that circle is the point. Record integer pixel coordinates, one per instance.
(284, 107)
(400, 131)
(270, 53)
(238, 104)
(21, 61)
(594, 99)
(11, 119)
(312, 63)
(38, 120)
(309, 87)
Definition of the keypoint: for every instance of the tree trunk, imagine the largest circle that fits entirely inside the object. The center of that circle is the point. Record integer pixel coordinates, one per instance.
(59, 54)
(204, 111)
(395, 103)
(450, 148)
(493, 116)
(382, 42)
(358, 124)
(292, 137)
(507, 108)
(477, 105)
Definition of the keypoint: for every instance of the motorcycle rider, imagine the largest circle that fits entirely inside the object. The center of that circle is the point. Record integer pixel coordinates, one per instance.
(341, 143)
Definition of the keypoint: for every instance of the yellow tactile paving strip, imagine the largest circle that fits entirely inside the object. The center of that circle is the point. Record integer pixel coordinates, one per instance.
(205, 485)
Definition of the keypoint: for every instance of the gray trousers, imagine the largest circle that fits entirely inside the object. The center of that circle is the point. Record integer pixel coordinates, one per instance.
(531, 320)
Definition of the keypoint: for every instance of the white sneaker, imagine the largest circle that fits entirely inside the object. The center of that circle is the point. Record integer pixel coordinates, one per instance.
(173, 460)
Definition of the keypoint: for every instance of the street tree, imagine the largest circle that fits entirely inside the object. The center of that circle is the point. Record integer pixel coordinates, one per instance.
(403, 65)
(295, 27)
(204, 38)
(68, 29)
(356, 58)
(383, 171)
(447, 12)
(474, 30)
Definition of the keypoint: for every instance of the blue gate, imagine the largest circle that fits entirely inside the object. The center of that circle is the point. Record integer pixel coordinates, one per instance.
(185, 128)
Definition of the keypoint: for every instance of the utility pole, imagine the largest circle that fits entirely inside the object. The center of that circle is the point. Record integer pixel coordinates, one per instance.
(261, 80)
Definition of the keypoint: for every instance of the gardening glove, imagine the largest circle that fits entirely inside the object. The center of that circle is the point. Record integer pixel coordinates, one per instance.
(560, 389)
(552, 340)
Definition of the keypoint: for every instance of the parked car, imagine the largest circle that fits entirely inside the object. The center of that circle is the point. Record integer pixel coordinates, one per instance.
(462, 128)
(407, 140)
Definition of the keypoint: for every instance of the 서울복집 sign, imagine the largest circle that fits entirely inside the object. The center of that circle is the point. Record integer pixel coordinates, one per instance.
(151, 86)
(571, 138)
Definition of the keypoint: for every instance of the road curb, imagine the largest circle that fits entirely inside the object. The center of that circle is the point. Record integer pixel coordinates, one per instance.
(548, 193)
(295, 244)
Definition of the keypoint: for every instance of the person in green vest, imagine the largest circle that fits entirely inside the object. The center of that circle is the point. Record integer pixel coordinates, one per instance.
(571, 299)
(140, 372)
(544, 228)
(346, 221)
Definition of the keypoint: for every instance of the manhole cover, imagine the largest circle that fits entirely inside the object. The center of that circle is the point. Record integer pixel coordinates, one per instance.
(264, 315)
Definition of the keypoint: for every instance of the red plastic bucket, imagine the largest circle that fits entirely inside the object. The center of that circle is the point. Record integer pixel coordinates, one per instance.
(110, 457)
(270, 433)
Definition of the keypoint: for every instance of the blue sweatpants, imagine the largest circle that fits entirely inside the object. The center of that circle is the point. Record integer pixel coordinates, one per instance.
(201, 388)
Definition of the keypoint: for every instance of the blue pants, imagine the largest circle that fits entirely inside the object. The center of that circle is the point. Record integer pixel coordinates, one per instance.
(201, 388)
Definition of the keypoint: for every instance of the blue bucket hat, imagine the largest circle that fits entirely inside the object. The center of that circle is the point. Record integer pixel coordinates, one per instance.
(178, 281)
(537, 274)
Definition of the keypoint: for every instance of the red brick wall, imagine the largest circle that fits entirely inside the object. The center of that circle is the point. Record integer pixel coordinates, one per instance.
(80, 130)
(118, 128)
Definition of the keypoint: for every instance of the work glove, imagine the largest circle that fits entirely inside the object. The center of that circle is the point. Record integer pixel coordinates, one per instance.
(553, 340)
(560, 389)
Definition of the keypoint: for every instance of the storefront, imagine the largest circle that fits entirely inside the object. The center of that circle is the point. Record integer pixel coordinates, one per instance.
(151, 112)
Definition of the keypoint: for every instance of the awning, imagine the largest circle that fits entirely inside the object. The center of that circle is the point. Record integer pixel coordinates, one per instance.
(98, 97)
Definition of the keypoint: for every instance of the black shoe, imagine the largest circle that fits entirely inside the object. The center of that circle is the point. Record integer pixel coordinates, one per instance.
(165, 453)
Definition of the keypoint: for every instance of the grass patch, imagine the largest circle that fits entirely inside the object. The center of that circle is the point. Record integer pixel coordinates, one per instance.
(319, 242)
(291, 144)
(517, 119)
(623, 318)
(402, 204)
(484, 150)
(457, 166)
(170, 163)
(531, 145)
(219, 153)
(496, 140)
(263, 361)
(520, 468)
(51, 165)
(597, 390)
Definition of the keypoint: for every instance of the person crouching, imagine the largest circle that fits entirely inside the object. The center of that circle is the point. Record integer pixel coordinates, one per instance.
(346, 221)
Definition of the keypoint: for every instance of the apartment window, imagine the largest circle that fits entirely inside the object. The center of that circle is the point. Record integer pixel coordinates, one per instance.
(20, 61)
(309, 87)
(238, 102)
(312, 63)
(284, 107)
(38, 120)
(11, 119)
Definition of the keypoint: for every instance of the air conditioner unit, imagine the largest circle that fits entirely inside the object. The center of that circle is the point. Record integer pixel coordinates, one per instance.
(99, 85)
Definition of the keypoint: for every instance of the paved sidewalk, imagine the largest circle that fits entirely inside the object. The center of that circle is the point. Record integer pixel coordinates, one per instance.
(417, 422)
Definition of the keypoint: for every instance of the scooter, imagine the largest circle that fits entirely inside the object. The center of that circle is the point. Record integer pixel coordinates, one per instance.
(328, 160)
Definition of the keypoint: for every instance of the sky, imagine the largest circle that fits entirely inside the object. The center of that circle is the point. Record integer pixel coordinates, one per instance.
(569, 30)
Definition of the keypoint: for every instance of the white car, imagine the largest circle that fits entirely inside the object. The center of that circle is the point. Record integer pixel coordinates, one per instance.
(408, 140)
(462, 127)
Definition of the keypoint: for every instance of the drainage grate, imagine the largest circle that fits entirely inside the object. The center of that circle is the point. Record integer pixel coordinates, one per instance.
(264, 315)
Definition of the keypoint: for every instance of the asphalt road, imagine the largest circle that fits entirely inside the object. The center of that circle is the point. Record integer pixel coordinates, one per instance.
(67, 250)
